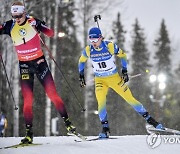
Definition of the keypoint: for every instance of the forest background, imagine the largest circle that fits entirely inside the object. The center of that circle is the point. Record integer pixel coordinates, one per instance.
(71, 21)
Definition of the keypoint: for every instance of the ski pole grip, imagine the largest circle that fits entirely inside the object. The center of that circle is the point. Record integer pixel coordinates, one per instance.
(15, 108)
(83, 110)
(96, 17)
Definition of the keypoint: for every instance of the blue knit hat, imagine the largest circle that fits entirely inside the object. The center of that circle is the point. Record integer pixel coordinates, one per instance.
(95, 33)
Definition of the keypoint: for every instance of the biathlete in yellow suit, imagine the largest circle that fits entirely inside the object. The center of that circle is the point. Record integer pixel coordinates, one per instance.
(102, 55)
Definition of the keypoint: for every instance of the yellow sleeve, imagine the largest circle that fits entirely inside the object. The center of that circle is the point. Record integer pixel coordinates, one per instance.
(114, 49)
(111, 48)
(122, 54)
(85, 55)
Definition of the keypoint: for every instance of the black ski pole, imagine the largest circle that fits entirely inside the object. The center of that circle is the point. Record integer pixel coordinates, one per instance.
(15, 106)
(96, 17)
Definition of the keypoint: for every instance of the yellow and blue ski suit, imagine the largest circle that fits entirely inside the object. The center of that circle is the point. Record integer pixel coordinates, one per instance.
(106, 75)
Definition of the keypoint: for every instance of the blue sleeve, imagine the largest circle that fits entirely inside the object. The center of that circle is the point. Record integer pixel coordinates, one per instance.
(123, 63)
(116, 49)
(81, 68)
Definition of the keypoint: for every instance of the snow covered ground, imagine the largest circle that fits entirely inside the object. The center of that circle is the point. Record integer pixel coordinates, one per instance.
(66, 145)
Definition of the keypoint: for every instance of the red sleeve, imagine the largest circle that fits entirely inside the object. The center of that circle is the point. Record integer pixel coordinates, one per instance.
(1, 27)
(41, 26)
(47, 31)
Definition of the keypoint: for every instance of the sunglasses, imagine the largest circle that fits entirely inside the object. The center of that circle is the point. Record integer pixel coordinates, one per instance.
(95, 40)
(17, 16)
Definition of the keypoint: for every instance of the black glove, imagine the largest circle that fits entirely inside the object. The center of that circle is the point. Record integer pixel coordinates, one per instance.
(125, 76)
(82, 80)
(39, 24)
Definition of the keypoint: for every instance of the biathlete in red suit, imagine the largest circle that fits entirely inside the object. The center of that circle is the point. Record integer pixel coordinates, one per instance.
(24, 31)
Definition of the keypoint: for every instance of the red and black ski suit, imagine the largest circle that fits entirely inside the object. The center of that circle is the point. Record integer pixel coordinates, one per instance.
(32, 61)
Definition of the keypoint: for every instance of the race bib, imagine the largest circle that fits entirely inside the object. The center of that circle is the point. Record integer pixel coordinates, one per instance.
(105, 66)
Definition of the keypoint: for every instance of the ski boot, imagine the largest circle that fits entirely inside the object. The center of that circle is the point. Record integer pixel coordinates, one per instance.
(28, 139)
(69, 126)
(1, 134)
(152, 121)
(105, 130)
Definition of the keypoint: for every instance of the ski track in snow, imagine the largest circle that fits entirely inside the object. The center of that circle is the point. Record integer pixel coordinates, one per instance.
(135, 144)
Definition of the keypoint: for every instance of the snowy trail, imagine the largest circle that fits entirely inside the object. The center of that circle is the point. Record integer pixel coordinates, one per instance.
(66, 145)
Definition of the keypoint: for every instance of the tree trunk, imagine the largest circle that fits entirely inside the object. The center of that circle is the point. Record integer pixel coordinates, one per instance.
(16, 98)
(48, 101)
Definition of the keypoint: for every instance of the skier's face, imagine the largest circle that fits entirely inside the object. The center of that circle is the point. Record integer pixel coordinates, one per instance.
(19, 18)
(96, 42)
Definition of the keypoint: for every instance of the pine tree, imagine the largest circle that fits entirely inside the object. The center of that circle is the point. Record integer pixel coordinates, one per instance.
(163, 50)
(140, 62)
(119, 32)
(163, 65)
